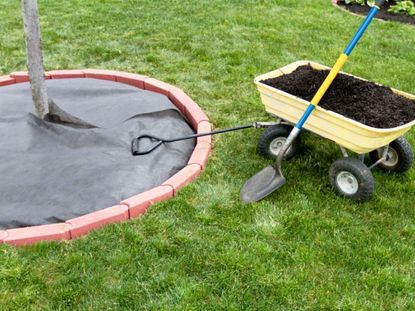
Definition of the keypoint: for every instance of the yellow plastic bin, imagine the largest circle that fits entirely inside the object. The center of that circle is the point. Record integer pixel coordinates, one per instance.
(346, 132)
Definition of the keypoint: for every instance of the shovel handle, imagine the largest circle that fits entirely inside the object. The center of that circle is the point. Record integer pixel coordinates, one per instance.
(338, 65)
(135, 144)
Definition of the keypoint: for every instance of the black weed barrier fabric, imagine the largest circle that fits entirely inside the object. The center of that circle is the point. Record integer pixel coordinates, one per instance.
(52, 171)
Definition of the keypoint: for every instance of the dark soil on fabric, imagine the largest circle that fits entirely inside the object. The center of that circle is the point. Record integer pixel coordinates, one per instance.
(363, 101)
(382, 14)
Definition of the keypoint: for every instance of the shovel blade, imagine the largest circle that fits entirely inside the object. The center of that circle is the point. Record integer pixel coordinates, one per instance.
(262, 184)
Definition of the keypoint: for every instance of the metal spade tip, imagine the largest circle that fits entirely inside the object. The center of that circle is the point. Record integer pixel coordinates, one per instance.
(262, 184)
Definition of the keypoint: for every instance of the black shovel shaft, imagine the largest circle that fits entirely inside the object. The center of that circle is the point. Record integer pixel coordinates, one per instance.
(159, 141)
(242, 127)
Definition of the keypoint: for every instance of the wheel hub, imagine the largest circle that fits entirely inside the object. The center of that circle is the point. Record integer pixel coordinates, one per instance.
(392, 157)
(347, 182)
(276, 145)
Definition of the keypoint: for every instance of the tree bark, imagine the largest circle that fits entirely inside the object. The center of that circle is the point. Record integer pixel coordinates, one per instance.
(34, 57)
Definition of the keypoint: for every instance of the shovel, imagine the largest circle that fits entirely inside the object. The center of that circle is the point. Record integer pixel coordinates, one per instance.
(155, 142)
(270, 178)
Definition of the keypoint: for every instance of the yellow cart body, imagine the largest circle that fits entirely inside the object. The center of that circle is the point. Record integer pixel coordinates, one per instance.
(346, 132)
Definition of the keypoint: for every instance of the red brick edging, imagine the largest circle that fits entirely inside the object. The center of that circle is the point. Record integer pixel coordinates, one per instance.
(138, 204)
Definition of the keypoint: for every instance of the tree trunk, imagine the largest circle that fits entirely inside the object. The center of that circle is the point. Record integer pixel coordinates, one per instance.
(34, 56)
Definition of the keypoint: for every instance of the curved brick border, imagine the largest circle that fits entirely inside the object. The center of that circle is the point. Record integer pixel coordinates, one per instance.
(138, 204)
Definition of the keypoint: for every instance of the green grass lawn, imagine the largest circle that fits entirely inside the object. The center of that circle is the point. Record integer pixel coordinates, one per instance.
(302, 247)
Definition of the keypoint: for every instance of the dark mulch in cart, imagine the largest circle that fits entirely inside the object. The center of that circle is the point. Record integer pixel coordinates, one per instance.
(362, 101)
(382, 14)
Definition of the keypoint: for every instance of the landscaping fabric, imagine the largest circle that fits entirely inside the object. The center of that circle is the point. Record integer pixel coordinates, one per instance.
(363, 101)
(53, 171)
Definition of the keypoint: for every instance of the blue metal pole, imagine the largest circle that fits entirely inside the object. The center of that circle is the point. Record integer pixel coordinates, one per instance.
(372, 13)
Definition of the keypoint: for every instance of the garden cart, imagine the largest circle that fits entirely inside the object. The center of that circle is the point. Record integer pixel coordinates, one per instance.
(349, 176)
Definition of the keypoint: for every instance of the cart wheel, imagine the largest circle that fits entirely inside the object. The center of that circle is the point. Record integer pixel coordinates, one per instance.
(352, 178)
(399, 158)
(272, 140)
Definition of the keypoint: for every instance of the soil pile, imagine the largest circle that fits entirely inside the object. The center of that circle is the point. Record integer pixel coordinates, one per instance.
(363, 101)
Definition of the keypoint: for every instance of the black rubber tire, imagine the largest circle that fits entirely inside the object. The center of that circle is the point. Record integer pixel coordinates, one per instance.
(273, 132)
(363, 178)
(405, 156)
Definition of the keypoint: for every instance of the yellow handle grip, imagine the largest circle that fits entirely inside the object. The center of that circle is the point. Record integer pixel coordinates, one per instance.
(329, 79)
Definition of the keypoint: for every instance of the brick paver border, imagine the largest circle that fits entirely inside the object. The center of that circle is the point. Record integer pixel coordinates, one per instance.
(137, 204)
